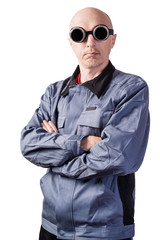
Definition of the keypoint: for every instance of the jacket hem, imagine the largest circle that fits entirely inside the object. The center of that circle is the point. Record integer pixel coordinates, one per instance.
(95, 233)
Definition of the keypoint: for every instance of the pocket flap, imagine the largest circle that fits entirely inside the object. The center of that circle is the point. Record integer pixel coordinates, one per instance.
(90, 118)
(97, 118)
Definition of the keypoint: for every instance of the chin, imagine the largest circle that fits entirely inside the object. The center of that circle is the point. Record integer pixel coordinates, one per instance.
(91, 64)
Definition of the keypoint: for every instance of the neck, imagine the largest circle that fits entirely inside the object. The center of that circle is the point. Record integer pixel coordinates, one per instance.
(88, 74)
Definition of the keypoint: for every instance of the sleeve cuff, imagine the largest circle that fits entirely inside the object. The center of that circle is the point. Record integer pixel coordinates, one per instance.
(71, 143)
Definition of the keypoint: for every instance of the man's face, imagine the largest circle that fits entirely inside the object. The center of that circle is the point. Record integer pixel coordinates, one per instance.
(92, 53)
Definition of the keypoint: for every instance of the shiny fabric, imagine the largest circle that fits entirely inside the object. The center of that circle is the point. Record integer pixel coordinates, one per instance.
(84, 197)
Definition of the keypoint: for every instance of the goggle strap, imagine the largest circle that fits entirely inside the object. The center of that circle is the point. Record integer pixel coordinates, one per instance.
(111, 31)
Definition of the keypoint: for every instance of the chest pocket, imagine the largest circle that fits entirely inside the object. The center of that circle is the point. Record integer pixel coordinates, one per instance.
(92, 122)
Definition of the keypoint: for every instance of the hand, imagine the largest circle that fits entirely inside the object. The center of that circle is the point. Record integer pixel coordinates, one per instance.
(49, 126)
(88, 142)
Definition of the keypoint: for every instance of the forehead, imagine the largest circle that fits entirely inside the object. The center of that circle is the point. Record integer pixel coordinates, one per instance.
(89, 19)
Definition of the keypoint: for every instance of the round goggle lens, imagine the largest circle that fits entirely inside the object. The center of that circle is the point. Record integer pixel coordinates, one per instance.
(77, 35)
(100, 33)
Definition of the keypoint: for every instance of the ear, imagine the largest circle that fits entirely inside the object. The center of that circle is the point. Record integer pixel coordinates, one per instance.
(113, 40)
(70, 42)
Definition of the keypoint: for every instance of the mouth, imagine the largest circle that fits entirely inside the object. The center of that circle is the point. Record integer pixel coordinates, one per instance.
(91, 54)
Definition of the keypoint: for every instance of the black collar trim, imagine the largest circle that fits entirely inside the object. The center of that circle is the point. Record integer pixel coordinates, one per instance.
(96, 85)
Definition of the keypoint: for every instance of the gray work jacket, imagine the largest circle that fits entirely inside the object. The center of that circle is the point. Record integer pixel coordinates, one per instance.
(90, 195)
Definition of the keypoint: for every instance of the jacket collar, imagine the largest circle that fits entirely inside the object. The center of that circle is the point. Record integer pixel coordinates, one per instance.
(96, 85)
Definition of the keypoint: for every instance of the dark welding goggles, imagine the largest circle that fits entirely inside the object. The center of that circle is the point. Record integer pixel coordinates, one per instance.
(100, 33)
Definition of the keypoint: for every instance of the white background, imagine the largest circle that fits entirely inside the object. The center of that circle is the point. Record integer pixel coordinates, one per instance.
(34, 52)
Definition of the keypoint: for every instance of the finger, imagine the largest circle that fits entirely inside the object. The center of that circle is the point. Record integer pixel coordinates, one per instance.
(53, 126)
(47, 126)
(43, 126)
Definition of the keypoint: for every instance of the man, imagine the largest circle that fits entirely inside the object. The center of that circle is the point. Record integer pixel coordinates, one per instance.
(91, 132)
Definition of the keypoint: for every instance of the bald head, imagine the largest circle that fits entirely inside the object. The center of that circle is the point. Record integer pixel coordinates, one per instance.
(90, 15)
(92, 53)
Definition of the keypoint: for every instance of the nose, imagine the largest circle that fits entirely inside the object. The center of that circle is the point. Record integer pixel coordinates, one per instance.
(90, 41)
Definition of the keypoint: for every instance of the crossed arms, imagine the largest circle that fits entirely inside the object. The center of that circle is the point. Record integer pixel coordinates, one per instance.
(118, 151)
(87, 142)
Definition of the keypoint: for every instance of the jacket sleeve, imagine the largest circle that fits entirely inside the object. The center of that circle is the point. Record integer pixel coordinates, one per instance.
(48, 149)
(124, 139)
